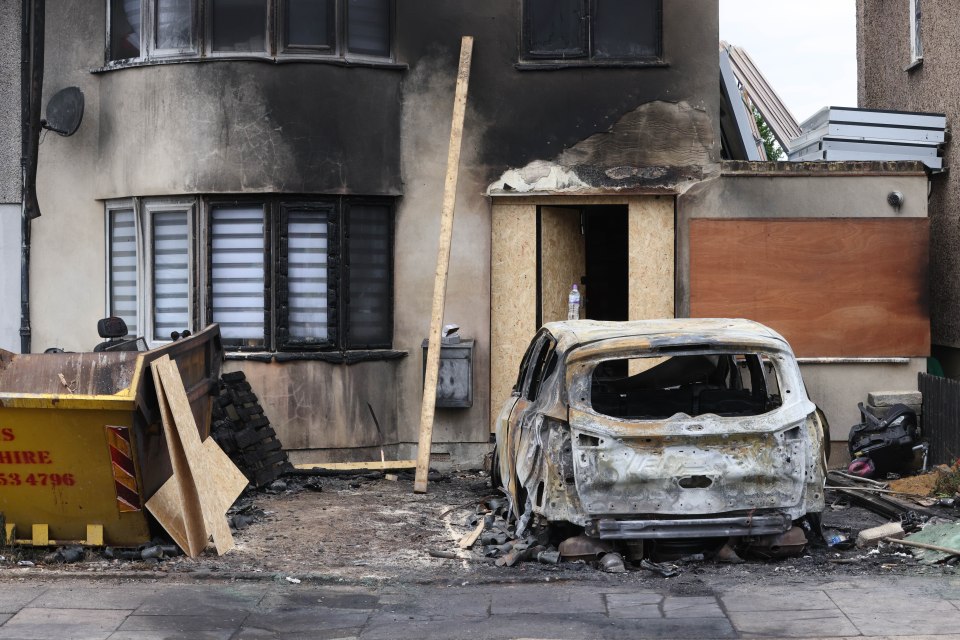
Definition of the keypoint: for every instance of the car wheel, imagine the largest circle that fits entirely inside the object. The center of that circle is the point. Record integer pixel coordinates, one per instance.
(496, 482)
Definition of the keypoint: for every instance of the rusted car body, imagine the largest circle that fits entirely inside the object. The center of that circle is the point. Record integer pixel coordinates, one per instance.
(661, 429)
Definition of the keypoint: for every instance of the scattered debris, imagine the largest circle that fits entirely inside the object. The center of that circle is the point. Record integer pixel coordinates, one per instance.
(293, 580)
(935, 542)
(869, 537)
(664, 569)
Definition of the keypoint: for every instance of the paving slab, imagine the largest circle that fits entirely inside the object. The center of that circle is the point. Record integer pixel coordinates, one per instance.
(304, 619)
(637, 612)
(537, 599)
(442, 606)
(555, 627)
(62, 624)
(691, 607)
(211, 621)
(795, 601)
(225, 634)
(888, 601)
(322, 597)
(617, 600)
(905, 623)
(94, 597)
(326, 634)
(15, 597)
(792, 624)
(201, 599)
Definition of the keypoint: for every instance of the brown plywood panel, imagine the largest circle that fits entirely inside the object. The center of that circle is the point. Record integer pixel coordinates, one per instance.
(833, 288)
(513, 295)
(651, 249)
(563, 260)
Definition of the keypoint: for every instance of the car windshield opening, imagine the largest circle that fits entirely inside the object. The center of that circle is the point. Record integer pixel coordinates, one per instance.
(656, 388)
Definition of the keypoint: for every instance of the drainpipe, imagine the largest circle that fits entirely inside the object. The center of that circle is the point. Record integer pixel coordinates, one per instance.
(31, 91)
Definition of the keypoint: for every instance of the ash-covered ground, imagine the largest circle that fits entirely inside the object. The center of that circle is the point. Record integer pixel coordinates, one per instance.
(369, 529)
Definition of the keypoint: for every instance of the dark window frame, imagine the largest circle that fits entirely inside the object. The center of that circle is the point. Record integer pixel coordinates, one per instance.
(276, 45)
(276, 286)
(588, 57)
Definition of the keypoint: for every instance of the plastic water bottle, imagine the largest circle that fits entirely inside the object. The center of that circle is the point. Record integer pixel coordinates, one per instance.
(573, 304)
(833, 541)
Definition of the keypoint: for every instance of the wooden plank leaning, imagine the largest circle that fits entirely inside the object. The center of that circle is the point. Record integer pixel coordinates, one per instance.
(443, 266)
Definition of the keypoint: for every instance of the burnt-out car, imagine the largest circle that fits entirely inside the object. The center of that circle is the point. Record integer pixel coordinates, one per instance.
(662, 429)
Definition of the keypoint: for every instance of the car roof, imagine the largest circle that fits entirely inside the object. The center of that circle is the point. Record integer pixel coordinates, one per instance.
(673, 331)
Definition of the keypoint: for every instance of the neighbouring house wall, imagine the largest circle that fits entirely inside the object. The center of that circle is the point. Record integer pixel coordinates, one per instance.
(10, 277)
(10, 175)
(783, 191)
(883, 54)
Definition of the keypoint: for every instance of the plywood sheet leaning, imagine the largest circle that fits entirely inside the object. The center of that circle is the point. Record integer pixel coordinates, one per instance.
(192, 504)
(846, 287)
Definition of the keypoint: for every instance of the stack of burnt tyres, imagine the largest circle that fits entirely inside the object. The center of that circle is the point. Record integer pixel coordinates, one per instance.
(244, 433)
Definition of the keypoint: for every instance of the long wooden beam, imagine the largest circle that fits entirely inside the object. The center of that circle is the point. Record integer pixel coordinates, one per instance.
(443, 266)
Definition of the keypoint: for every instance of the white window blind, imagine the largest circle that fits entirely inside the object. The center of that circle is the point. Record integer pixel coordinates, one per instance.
(237, 273)
(171, 272)
(307, 275)
(123, 267)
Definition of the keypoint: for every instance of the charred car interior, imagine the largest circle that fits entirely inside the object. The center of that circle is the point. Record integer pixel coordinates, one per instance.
(663, 430)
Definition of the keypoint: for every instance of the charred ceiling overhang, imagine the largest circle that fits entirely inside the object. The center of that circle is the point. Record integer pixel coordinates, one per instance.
(659, 147)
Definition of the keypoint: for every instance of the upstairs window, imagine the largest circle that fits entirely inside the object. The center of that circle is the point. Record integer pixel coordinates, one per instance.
(916, 34)
(157, 29)
(592, 31)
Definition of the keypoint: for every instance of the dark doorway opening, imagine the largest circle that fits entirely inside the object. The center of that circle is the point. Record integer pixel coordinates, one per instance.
(607, 265)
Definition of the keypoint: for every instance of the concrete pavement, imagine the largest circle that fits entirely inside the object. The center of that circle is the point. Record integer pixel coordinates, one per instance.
(862, 607)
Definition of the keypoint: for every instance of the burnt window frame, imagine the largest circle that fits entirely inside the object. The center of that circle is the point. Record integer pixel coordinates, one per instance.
(276, 45)
(531, 58)
(276, 287)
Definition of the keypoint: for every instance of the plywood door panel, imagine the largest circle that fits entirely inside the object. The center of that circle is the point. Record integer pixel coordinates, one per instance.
(562, 260)
(651, 258)
(513, 296)
(833, 288)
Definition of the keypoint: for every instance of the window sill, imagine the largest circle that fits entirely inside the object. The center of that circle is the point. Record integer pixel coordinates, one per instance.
(332, 357)
(278, 59)
(557, 65)
(913, 66)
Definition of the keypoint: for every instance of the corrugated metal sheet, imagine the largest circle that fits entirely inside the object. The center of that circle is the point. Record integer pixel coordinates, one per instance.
(781, 122)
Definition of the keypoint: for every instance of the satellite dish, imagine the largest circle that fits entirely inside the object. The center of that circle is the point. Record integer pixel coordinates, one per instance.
(64, 111)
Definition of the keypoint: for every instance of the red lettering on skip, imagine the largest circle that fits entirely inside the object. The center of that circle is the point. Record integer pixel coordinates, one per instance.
(6, 435)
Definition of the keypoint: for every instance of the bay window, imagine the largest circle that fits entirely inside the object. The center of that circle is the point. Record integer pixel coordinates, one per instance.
(275, 273)
(144, 30)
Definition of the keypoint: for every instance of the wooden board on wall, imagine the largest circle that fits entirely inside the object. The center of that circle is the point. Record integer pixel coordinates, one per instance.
(563, 260)
(834, 288)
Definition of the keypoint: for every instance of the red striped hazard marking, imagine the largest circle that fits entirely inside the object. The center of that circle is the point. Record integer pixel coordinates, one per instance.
(124, 471)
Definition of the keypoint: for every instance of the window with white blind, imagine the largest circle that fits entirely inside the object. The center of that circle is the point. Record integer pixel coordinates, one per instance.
(122, 265)
(161, 29)
(170, 250)
(287, 274)
(237, 272)
(149, 266)
(916, 33)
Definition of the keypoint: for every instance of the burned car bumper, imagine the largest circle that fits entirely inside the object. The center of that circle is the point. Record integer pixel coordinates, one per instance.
(747, 524)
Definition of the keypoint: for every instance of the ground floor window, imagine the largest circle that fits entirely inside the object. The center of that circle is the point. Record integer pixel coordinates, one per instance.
(275, 273)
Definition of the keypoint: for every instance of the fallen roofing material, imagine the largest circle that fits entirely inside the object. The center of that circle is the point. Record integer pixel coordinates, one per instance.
(842, 133)
(778, 117)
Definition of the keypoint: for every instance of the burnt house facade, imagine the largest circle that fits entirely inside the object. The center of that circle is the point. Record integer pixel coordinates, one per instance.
(276, 166)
